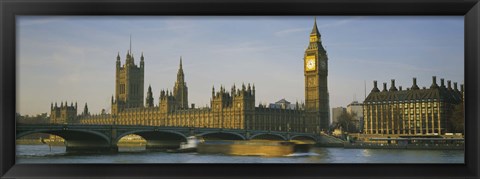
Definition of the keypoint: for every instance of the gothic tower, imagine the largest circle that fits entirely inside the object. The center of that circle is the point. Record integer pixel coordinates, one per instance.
(316, 89)
(128, 83)
(149, 98)
(180, 90)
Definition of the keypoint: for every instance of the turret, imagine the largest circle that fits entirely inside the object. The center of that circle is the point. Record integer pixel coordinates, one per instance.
(133, 58)
(63, 114)
(233, 90)
(442, 83)
(142, 61)
(149, 98)
(85, 110)
(213, 91)
(118, 61)
(180, 90)
(180, 74)
(254, 90)
(384, 87)
(127, 58)
(449, 85)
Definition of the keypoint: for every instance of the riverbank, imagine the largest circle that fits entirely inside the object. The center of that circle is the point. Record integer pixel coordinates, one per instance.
(394, 146)
(29, 142)
(405, 146)
(132, 143)
(122, 143)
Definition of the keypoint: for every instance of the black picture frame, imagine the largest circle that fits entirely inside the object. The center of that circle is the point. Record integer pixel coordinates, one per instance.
(470, 9)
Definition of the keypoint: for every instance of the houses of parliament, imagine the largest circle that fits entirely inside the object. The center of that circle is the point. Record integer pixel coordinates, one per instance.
(232, 108)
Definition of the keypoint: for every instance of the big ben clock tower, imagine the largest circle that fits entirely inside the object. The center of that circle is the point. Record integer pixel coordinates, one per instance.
(316, 89)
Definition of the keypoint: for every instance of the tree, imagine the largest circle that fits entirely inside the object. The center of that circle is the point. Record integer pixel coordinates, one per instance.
(345, 120)
(458, 118)
(38, 119)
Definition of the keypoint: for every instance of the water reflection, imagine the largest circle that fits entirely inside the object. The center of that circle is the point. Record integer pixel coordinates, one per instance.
(57, 154)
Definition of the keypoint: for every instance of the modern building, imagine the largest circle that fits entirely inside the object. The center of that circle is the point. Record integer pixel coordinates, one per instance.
(356, 108)
(414, 111)
(336, 112)
(234, 109)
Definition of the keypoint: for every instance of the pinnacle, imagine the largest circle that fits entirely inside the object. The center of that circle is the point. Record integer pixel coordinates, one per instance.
(180, 62)
(315, 28)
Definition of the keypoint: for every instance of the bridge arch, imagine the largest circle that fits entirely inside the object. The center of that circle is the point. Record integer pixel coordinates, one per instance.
(71, 134)
(78, 140)
(157, 139)
(268, 136)
(149, 134)
(303, 137)
(222, 135)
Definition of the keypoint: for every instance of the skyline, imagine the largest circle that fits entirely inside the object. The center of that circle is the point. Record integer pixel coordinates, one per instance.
(218, 50)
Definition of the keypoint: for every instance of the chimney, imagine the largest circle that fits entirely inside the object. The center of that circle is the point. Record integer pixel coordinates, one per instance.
(442, 83)
(434, 82)
(193, 105)
(392, 87)
(414, 86)
(384, 87)
(455, 86)
(449, 84)
(375, 88)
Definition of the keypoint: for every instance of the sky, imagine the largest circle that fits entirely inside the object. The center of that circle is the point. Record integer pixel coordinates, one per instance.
(72, 58)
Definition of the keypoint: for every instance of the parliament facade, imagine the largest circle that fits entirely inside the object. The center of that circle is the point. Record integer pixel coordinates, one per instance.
(413, 111)
(229, 109)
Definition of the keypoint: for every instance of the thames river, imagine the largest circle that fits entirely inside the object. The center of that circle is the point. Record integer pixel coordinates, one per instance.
(57, 154)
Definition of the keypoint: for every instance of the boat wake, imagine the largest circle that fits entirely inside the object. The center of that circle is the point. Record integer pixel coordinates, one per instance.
(302, 154)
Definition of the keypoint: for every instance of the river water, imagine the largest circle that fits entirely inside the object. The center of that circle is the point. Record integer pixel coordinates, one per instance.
(57, 154)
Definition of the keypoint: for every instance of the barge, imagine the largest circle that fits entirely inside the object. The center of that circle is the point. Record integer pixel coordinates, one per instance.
(253, 147)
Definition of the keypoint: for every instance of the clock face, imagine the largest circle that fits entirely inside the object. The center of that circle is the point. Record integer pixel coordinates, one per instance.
(323, 64)
(310, 64)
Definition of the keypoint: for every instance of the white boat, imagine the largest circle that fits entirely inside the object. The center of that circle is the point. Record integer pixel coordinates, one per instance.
(189, 146)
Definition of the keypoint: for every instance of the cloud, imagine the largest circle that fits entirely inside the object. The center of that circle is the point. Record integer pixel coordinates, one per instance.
(339, 22)
(289, 31)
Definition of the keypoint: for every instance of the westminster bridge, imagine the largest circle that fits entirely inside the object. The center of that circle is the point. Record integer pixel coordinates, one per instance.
(80, 137)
